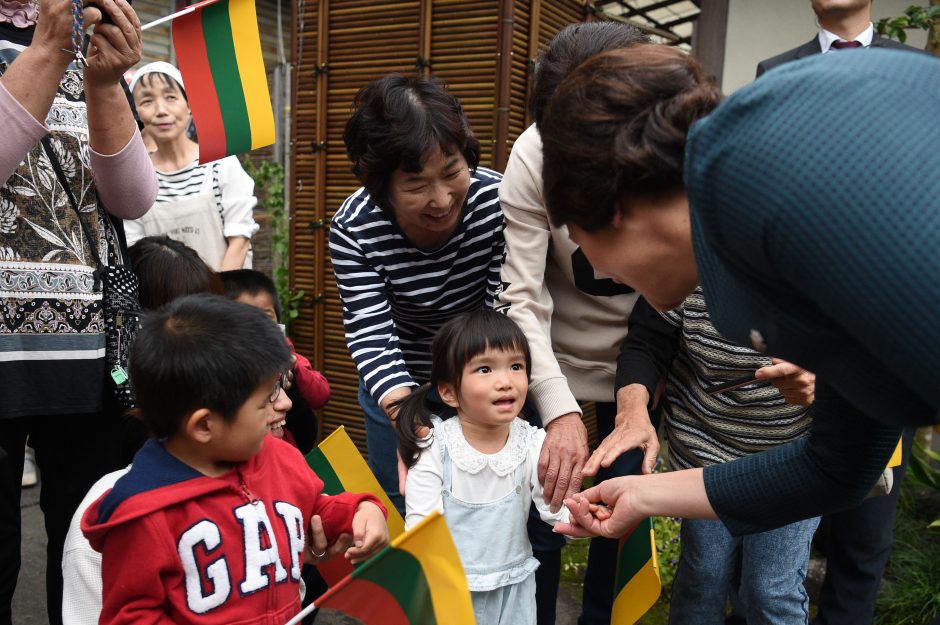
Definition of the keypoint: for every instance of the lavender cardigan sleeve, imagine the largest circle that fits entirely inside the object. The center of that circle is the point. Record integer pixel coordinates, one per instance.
(21, 133)
(126, 182)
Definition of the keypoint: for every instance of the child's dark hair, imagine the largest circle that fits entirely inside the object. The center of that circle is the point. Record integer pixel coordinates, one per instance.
(397, 121)
(239, 281)
(168, 269)
(202, 351)
(455, 344)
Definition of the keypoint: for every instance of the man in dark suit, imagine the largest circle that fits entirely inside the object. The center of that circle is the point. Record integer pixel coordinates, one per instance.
(843, 24)
(856, 542)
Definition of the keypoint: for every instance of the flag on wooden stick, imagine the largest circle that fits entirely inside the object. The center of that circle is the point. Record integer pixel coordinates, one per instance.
(417, 580)
(342, 468)
(218, 50)
(637, 583)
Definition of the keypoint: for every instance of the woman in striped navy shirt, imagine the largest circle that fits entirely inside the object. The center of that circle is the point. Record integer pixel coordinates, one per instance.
(419, 244)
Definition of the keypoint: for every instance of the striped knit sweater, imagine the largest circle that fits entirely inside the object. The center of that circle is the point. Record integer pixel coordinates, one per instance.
(702, 430)
(396, 296)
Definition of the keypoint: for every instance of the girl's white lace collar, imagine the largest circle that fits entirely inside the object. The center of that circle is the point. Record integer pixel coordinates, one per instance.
(472, 461)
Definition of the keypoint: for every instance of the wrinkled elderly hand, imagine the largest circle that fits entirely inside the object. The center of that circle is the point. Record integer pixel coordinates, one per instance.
(632, 430)
(54, 27)
(798, 386)
(115, 47)
(563, 455)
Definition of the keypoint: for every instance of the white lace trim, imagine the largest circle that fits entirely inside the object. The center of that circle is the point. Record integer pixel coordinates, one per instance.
(470, 460)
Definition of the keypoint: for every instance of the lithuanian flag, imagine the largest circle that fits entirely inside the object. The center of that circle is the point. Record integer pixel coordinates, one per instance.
(218, 50)
(341, 467)
(416, 580)
(638, 586)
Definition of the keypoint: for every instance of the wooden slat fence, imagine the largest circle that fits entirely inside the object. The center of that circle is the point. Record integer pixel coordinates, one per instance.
(482, 50)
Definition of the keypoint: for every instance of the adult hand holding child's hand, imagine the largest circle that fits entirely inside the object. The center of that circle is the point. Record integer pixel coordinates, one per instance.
(370, 532)
(591, 516)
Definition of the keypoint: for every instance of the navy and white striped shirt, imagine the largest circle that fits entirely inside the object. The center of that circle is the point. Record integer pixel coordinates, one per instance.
(396, 296)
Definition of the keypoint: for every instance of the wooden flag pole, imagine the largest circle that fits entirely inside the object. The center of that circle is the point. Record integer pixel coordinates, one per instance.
(173, 16)
(300, 616)
(168, 18)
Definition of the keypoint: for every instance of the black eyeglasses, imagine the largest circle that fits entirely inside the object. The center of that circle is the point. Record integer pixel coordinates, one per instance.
(283, 382)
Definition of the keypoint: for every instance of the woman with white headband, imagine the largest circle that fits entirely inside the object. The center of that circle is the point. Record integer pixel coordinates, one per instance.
(206, 206)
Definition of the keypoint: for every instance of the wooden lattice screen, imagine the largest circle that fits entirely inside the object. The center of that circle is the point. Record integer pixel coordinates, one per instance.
(481, 49)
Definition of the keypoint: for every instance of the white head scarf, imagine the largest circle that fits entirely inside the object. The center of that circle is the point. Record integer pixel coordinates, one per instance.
(160, 67)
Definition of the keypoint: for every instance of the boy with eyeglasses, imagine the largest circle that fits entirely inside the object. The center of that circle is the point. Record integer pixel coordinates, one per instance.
(209, 525)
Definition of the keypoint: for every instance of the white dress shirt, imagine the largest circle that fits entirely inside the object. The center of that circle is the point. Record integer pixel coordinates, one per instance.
(826, 38)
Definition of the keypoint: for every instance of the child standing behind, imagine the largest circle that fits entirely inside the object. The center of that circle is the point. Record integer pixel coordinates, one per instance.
(209, 525)
(309, 390)
(479, 469)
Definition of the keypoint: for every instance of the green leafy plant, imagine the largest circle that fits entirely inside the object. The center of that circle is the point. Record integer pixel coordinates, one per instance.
(922, 466)
(667, 549)
(915, 17)
(910, 592)
(269, 183)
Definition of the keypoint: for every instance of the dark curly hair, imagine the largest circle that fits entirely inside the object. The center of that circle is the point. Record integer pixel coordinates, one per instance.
(397, 121)
(616, 129)
(574, 44)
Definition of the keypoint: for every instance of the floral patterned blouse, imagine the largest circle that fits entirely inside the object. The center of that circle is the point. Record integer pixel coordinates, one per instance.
(51, 326)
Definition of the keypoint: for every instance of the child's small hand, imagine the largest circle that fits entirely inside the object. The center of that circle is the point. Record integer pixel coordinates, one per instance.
(600, 511)
(370, 532)
(318, 549)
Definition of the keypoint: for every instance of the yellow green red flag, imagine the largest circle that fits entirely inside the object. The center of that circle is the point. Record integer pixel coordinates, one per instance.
(342, 468)
(416, 580)
(218, 50)
(637, 584)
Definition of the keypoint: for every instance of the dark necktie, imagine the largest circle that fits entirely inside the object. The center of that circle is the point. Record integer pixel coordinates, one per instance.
(846, 45)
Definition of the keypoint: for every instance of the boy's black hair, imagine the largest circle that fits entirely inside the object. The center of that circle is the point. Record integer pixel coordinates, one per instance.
(238, 281)
(398, 120)
(202, 351)
(455, 344)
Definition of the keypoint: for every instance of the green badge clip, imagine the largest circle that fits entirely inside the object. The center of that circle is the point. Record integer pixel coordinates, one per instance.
(119, 375)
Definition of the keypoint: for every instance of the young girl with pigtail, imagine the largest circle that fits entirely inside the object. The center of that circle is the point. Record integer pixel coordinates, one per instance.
(480, 468)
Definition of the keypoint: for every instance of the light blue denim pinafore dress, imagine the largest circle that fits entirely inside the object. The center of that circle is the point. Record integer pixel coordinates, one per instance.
(494, 548)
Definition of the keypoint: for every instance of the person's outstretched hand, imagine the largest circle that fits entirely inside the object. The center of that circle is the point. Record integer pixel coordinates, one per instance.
(370, 532)
(593, 515)
(798, 386)
(563, 454)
